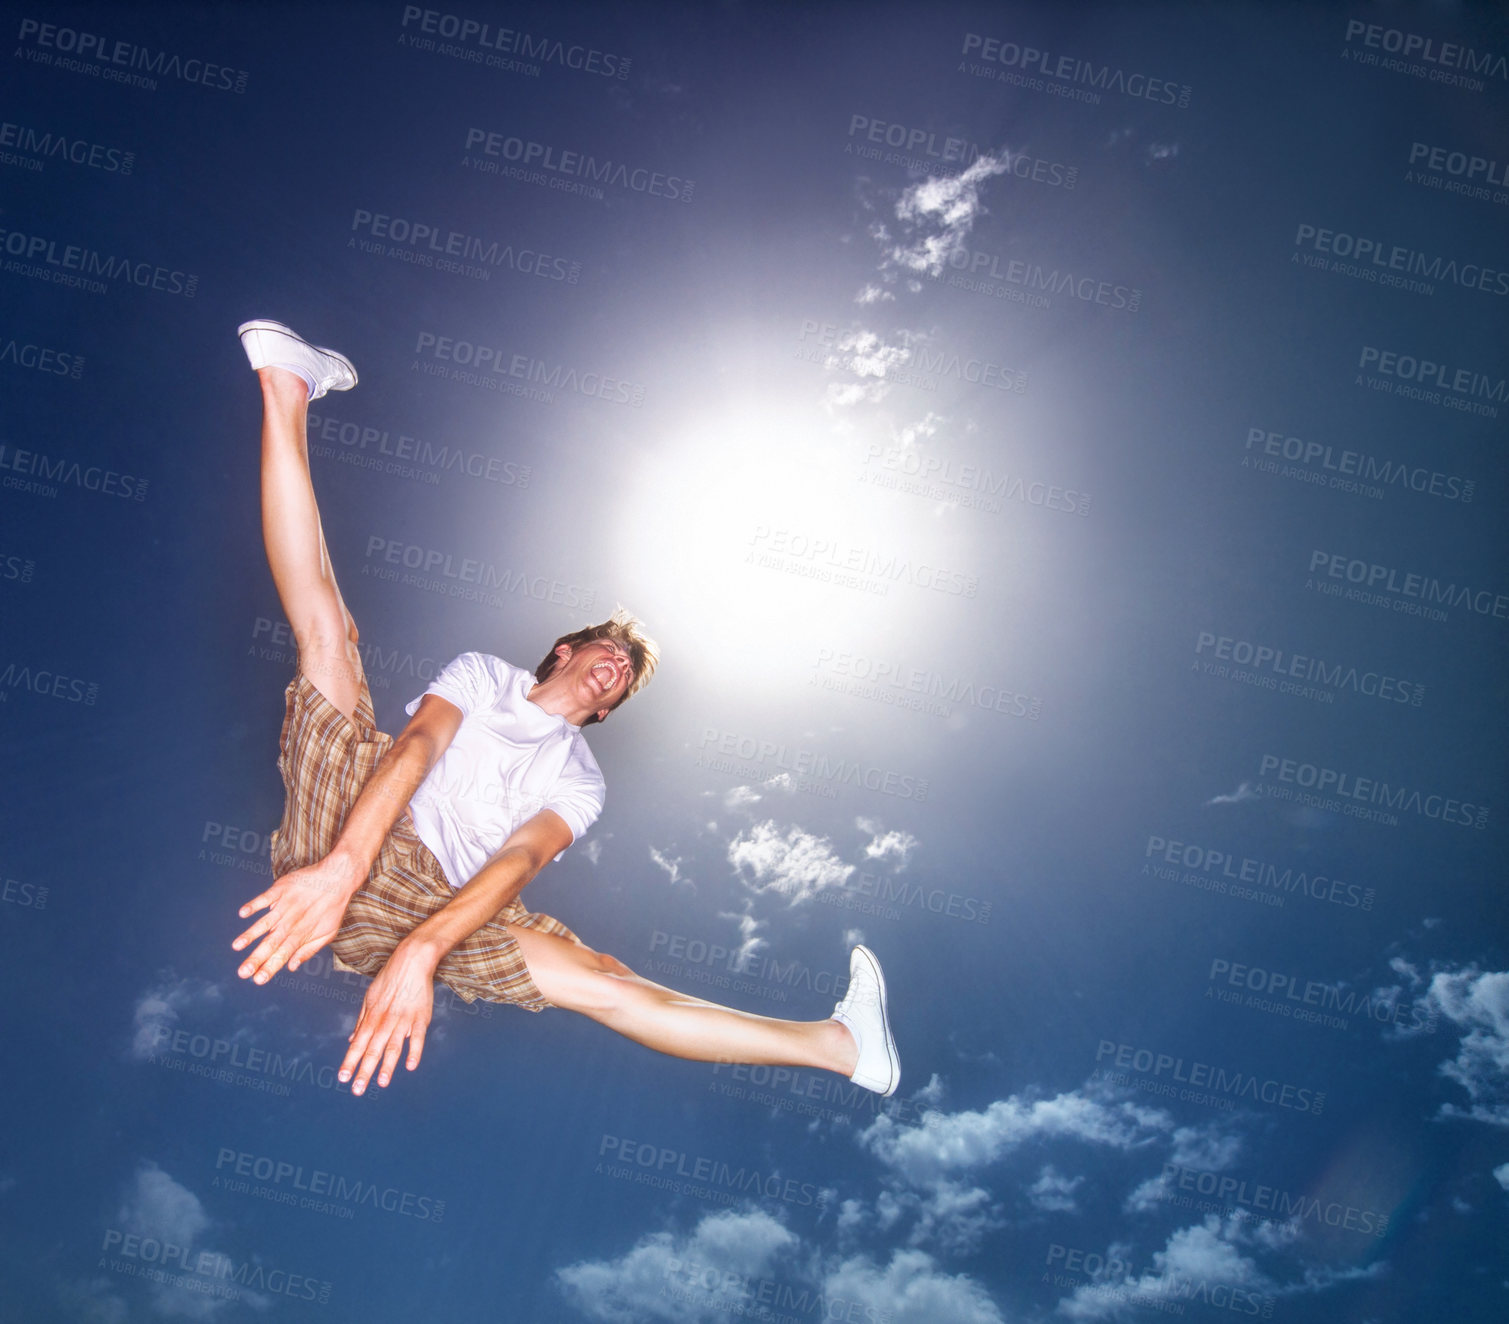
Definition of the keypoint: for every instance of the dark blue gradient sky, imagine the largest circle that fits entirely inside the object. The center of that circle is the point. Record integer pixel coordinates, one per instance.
(1060, 452)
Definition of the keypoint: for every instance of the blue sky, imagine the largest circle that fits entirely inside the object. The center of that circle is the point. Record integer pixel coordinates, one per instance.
(1072, 519)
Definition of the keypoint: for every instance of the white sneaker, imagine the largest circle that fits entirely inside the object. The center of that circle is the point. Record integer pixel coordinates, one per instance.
(863, 1012)
(273, 345)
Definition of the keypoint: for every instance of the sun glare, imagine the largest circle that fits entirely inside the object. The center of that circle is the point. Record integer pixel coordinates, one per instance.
(736, 525)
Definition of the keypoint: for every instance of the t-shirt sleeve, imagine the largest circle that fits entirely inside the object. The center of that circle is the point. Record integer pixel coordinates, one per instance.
(577, 795)
(467, 681)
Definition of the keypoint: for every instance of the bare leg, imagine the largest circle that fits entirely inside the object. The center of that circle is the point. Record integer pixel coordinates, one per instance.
(602, 987)
(323, 628)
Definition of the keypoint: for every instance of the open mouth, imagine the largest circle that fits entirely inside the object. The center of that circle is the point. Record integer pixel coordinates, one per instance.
(604, 675)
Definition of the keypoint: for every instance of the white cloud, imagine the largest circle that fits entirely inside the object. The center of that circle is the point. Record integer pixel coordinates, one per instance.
(931, 1093)
(944, 1143)
(1209, 1251)
(672, 867)
(1478, 1003)
(866, 354)
(793, 864)
(852, 1216)
(1200, 1261)
(934, 217)
(910, 1290)
(1149, 1194)
(740, 1262)
(1194, 1263)
(935, 1158)
(1204, 1148)
(159, 1008)
(887, 845)
(956, 1218)
(888, 1209)
(1053, 1192)
(926, 426)
(158, 1207)
(950, 1216)
(1408, 969)
(841, 395)
(680, 1278)
(1317, 1279)
(1501, 1175)
(741, 797)
(1241, 795)
(594, 851)
(749, 929)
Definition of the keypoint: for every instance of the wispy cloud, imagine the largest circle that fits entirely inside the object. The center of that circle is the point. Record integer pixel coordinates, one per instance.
(927, 426)
(944, 1143)
(749, 930)
(1053, 1192)
(671, 866)
(1477, 1002)
(869, 354)
(910, 1289)
(932, 1093)
(1216, 1253)
(874, 358)
(159, 1009)
(741, 797)
(1206, 1148)
(935, 1162)
(793, 864)
(934, 217)
(157, 1206)
(1203, 1256)
(664, 1276)
(894, 845)
(715, 1271)
(1241, 795)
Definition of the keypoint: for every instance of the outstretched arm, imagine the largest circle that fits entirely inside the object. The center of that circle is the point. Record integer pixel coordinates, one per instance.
(304, 908)
(400, 1000)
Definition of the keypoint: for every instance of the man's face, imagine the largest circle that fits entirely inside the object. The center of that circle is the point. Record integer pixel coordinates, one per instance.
(601, 670)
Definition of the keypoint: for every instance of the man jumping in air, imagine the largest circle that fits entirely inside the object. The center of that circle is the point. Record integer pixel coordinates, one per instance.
(408, 855)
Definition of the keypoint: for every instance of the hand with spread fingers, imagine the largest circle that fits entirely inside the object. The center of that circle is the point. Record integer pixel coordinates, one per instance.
(304, 910)
(398, 1006)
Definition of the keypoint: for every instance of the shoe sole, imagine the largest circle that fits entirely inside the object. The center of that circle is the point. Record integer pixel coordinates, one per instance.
(264, 325)
(893, 1058)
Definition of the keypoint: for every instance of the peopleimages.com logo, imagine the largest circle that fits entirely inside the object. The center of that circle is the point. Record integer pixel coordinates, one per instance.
(100, 55)
(1346, 791)
(1069, 70)
(1199, 1082)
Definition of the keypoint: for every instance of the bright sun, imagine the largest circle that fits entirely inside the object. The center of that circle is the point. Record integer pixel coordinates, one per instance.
(749, 522)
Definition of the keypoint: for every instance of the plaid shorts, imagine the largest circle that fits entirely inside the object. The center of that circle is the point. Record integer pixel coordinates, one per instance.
(325, 759)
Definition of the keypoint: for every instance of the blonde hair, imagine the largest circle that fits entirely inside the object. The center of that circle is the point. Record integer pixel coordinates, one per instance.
(622, 627)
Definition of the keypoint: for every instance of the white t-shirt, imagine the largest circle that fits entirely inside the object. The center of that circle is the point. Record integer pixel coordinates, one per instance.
(510, 759)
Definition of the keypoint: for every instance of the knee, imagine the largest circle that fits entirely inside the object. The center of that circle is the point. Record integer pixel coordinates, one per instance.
(610, 965)
(598, 989)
